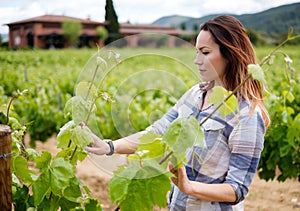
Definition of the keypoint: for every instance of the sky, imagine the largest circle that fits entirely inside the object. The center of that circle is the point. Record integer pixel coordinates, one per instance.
(134, 11)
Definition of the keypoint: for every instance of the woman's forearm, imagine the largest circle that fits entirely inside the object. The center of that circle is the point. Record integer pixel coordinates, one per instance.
(212, 192)
(128, 145)
(208, 192)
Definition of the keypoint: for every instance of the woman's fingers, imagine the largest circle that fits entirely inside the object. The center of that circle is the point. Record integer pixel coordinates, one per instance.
(100, 147)
(182, 171)
(180, 178)
(95, 137)
(173, 171)
(98, 150)
(170, 166)
(91, 149)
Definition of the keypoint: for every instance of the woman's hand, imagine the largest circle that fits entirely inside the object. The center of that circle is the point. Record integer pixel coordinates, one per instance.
(100, 147)
(180, 179)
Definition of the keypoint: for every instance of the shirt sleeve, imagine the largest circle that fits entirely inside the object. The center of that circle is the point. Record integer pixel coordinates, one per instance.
(183, 108)
(246, 144)
(161, 125)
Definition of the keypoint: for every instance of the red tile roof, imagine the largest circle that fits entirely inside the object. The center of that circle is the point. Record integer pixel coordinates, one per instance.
(53, 19)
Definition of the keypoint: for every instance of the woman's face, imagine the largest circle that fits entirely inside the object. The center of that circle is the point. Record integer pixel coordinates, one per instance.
(209, 59)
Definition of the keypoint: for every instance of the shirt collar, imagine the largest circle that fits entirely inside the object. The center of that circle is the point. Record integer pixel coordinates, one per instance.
(206, 85)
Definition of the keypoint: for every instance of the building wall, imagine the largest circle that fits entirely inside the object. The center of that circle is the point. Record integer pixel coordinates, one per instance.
(18, 34)
(15, 36)
(41, 32)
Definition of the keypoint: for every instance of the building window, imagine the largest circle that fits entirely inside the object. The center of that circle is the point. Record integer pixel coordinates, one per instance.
(28, 26)
(15, 28)
(88, 27)
(51, 26)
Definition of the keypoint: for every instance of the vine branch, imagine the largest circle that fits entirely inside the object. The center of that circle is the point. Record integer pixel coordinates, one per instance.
(8, 109)
(90, 109)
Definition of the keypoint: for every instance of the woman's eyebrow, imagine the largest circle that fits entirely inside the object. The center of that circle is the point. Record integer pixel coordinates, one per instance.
(201, 48)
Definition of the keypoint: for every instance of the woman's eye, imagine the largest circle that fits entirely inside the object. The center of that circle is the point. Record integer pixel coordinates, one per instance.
(205, 53)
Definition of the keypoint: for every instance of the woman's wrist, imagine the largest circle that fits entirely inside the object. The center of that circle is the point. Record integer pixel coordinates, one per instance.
(110, 146)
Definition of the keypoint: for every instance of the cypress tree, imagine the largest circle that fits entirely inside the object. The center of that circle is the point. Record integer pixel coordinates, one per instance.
(111, 18)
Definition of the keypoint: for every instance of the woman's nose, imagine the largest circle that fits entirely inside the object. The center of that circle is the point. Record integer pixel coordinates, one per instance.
(198, 60)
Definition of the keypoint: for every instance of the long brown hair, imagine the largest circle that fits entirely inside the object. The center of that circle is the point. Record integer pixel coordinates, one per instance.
(236, 47)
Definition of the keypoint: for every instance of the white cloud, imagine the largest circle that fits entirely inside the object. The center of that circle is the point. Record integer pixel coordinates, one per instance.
(79, 8)
(236, 6)
(19, 12)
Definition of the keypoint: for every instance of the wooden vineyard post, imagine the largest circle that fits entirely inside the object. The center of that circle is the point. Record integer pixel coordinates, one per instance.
(5, 168)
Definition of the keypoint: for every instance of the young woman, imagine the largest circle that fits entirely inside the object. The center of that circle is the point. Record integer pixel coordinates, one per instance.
(220, 175)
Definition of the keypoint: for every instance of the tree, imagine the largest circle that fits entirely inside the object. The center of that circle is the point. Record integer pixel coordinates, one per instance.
(71, 30)
(102, 34)
(196, 27)
(255, 38)
(113, 26)
(183, 25)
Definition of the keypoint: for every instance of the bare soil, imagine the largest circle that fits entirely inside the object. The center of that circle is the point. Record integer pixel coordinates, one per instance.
(95, 172)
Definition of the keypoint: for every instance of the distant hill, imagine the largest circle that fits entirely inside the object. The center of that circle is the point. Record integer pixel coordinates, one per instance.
(272, 21)
(4, 37)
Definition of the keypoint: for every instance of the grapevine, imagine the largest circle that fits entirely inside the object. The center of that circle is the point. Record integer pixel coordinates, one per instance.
(52, 184)
(43, 181)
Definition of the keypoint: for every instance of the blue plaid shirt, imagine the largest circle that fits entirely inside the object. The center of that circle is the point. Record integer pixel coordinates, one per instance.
(230, 155)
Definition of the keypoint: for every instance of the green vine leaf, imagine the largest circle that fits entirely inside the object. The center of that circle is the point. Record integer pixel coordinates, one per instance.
(118, 185)
(54, 179)
(139, 184)
(81, 135)
(92, 205)
(31, 153)
(218, 96)
(86, 91)
(61, 173)
(293, 132)
(181, 135)
(41, 187)
(73, 192)
(256, 72)
(101, 63)
(20, 167)
(14, 123)
(65, 204)
(150, 145)
(289, 96)
(78, 108)
(65, 134)
(43, 161)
